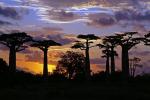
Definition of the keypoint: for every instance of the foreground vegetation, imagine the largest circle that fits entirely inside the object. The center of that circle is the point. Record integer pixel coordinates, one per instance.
(26, 86)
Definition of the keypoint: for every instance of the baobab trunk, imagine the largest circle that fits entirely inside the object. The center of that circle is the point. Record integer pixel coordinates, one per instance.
(87, 61)
(125, 62)
(45, 68)
(107, 65)
(12, 60)
(112, 61)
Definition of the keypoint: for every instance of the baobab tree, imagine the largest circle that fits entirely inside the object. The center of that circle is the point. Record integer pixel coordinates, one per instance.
(106, 54)
(86, 45)
(127, 41)
(16, 43)
(112, 43)
(44, 45)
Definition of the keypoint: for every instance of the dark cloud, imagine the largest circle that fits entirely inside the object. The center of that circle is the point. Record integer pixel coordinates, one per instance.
(101, 19)
(71, 3)
(62, 15)
(61, 39)
(132, 14)
(56, 9)
(53, 33)
(61, 3)
(9, 12)
(5, 23)
(52, 29)
(41, 31)
(123, 17)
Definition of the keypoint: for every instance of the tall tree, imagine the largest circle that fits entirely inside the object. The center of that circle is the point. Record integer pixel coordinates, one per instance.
(44, 45)
(15, 42)
(73, 62)
(106, 54)
(112, 42)
(86, 45)
(127, 41)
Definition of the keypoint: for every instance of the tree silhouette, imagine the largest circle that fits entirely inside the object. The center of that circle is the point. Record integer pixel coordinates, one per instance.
(112, 42)
(106, 54)
(3, 66)
(133, 64)
(147, 39)
(15, 42)
(127, 41)
(73, 62)
(86, 46)
(108, 51)
(44, 45)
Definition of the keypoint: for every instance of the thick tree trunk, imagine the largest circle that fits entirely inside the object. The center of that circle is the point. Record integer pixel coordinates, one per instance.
(125, 62)
(112, 61)
(107, 65)
(45, 68)
(87, 60)
(12, 59)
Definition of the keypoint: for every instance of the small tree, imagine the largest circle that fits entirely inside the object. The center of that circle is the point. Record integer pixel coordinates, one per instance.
(86, 46)
(73, 62)
(44, 45)
(15, 42)
(133, 64)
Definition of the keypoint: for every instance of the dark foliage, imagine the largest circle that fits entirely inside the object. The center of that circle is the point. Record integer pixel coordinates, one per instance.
(73, 63)
(3, 66)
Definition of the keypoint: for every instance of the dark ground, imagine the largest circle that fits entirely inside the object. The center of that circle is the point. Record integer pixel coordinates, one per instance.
(31, 88)
(75, 91)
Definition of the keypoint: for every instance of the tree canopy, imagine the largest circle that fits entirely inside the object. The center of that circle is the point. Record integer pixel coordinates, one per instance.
(16, 40)
(73, 62)
(44, 44)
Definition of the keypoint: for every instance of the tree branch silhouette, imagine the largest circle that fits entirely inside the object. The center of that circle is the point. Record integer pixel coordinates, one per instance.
(15, 42)
(44, 45)
(86, 46)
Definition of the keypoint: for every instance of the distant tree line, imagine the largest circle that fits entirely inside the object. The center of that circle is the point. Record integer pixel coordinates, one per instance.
(73, 64)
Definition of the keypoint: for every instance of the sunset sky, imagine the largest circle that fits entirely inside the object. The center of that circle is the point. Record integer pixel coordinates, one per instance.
(63, 20)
